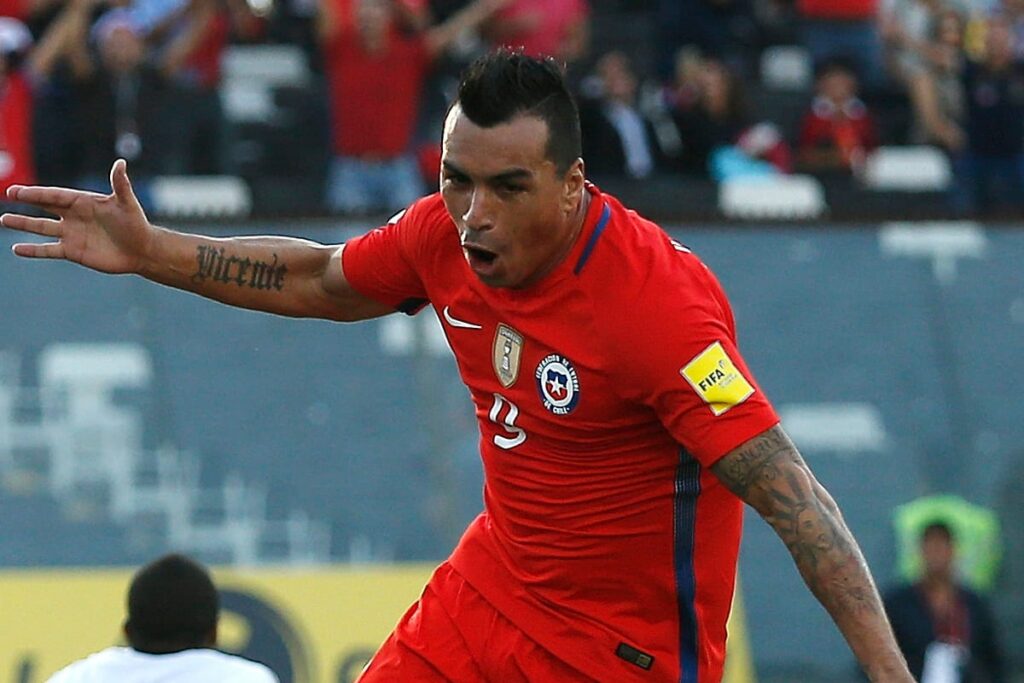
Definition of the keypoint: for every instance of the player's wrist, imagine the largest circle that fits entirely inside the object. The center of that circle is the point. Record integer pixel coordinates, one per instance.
(152, 244)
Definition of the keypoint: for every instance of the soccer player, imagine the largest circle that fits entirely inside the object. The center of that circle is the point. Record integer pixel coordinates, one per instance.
(621, 431)
(173, 610)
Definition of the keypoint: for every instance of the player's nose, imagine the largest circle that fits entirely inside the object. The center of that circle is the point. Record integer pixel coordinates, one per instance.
(479, 214)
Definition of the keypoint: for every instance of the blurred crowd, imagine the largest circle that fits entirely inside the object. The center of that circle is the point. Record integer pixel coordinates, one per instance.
(87, 81)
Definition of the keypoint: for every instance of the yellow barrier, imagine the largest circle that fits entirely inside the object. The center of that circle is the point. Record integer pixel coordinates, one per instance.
(310, 626)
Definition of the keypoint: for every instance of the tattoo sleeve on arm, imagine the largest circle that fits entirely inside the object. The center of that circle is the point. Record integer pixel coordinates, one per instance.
(770, 475)
(213, 264)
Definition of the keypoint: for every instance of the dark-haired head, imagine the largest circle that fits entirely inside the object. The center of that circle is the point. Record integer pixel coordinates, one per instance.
(938, 553)
(504, 84)
(938, 529)
(512, 179)
(172, 606)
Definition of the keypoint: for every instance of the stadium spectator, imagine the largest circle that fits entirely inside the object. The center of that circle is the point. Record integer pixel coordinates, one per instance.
(683, 89)
(618, 139)
(620, 429)
(556, 28)
(838, 131)
(17, 164)
(718, 28)
(409, 15)
(25, 69)
(936, 87)
(945, 629)
(847, 29)
(376, 71)
(717, 133)
(120, 92)
(906, 27)
(992, 169)
(715, 118)
(192, 40)
(171, 629)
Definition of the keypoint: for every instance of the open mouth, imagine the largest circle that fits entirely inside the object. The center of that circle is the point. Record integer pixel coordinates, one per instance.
(479, 257)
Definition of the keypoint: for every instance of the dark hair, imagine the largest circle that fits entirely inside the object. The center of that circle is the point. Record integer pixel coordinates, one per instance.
(172, 606)
(938, 527)
(836, 64)
(504, 84)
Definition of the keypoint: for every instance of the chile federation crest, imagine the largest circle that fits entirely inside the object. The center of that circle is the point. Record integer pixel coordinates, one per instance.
(558, 384)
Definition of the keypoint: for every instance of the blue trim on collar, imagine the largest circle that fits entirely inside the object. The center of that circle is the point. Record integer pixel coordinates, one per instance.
(602, 223)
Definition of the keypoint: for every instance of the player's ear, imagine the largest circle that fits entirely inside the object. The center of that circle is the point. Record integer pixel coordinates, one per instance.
(572, 184)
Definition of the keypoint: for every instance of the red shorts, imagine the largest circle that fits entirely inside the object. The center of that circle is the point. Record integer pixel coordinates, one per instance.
(453, 634)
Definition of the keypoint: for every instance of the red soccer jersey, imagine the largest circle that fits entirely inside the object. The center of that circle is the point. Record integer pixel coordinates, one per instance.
(375, 98)
(603, 393)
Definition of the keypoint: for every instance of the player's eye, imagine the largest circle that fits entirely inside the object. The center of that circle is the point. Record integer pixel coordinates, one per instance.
(456, 178)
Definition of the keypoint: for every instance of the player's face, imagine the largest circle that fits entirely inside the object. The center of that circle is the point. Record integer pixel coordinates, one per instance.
(516, 214)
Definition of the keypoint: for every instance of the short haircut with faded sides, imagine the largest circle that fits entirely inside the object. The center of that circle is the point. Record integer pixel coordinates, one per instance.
(172, 606)
(504, 84)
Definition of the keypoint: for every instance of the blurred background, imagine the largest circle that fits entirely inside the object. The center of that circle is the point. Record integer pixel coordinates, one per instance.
(853, 171)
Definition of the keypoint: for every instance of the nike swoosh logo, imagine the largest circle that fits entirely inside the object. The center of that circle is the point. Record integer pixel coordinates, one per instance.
(455, 322)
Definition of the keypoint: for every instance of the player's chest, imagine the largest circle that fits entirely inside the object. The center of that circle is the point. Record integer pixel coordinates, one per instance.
(539, 361)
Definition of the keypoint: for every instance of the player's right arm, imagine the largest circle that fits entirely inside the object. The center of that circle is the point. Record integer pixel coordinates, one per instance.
(111, 234)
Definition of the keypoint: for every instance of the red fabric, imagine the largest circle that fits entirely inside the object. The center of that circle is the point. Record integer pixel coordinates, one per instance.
(428, 158)
(453, 634)
(375, 98)
(585, 524)
(205, 59)
(852, 136)
(14, 8)
(842, 10)
(345, 12)
(553, 20)
(17, 165)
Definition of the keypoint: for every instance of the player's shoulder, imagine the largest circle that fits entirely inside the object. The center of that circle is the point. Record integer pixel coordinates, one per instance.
(239, 668)
(638, 256)
(426, 210)
(91, 666)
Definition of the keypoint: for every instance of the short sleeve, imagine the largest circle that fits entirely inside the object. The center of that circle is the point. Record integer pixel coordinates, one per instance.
(685, 365)
(382, 264)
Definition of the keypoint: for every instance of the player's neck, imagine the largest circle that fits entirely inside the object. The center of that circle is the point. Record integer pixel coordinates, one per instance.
(575, 224)
(576, 221)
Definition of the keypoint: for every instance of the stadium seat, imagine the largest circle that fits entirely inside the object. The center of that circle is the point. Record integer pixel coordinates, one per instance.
(787, 197)
(787, 67)
(201, 196)
(252, 72)
(907, 169)
(273, 65)
(247, 101)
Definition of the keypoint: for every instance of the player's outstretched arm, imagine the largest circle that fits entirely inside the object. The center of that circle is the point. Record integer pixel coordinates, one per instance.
(769, 474)
(111, 234)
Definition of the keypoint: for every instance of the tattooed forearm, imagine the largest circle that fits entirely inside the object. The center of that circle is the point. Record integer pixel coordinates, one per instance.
(768, 473)
(214, 265)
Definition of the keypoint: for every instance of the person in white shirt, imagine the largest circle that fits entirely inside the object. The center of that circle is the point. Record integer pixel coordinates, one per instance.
(171, 629)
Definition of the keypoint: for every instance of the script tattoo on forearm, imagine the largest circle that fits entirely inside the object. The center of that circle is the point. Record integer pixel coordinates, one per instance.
(769, 473)
(212, 264)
